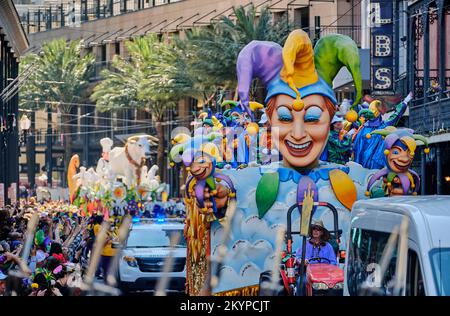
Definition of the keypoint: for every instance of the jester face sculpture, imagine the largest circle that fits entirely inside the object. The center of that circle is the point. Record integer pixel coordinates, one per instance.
(399, 158)
(300, 101)
(300, 136)
(400, 146)
(202, 166)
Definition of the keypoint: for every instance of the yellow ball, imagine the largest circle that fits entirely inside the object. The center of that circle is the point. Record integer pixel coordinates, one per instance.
(386, 152)
(172, 164)
(426, 150)
(252, 128)
(367, 193)
(298, 104)
(368, 136)
(351, 116)
(188, 169)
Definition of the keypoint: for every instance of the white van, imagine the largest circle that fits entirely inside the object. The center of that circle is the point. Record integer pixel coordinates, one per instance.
(428, 259)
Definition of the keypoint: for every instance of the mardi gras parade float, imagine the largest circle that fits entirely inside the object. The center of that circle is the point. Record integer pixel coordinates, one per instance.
(248, 184)
(120, 184)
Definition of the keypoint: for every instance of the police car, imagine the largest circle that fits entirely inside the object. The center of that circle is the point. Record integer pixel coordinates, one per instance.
(146, 252)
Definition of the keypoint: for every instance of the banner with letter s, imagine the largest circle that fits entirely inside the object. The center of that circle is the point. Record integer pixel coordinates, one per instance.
(382, 47)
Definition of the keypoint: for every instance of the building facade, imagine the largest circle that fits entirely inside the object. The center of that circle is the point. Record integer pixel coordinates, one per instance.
(13, 42)
(428, 75)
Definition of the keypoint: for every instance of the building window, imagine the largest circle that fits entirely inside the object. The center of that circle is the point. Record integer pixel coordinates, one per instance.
(103, 52)
(301, 18)
(117, 48)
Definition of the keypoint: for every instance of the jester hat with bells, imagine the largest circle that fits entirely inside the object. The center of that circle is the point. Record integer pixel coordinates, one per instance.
(405, 138)
(190, 150)
(296, 69)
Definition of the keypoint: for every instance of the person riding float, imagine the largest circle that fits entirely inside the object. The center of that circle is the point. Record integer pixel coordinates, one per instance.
(369, 152)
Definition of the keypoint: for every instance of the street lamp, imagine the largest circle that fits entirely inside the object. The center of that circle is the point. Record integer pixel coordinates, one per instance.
(24, 125)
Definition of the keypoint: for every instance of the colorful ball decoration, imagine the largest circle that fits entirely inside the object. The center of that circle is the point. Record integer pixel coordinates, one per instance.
(351, 116)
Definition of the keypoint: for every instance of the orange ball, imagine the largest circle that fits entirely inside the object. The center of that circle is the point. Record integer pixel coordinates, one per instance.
(252, 128)
(351, 116)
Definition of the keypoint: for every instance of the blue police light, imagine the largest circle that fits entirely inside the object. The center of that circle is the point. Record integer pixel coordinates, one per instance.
(160, 220)
(135, 220)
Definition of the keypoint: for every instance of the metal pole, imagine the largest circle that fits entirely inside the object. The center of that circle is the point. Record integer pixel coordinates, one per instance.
(426, 55)
(423, 165)
(396, 43)
(49, 19)
(61, 12)
(85, 11)
(30, 152)
(49, 154)
(85, 137)
(97, 9)
(365, 31)
(442, 41)
(410, 49)
(438, 169)
(39, 21)
(28, 21)
(317, 27)
(111, 7)
(2, 118)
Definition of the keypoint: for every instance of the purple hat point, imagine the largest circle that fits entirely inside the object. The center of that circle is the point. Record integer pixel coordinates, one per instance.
(258, 59)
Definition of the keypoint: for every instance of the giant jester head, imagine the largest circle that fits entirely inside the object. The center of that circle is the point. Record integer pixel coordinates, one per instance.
(300, 101)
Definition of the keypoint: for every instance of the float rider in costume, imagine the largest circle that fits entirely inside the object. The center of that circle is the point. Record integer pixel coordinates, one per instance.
(339, 142)
(369, 152)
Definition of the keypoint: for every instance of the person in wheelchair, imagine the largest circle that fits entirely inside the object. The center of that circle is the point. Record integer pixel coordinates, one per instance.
(318, 249)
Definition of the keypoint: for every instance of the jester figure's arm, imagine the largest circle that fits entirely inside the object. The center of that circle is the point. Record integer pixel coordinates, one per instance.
(399, 111)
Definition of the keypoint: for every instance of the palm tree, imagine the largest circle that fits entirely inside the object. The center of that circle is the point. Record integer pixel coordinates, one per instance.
(213, 51)
(59, 78)
(152, 78)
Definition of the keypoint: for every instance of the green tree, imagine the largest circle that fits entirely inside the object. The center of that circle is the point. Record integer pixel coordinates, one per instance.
(212, 51)
(59, 77)
(151, 78)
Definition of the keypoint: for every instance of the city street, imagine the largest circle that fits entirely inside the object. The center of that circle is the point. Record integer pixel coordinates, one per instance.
(224, 148)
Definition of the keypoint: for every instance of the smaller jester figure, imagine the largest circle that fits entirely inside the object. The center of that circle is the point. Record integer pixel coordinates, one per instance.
(207, 198)
(200, 156)
(399, 149)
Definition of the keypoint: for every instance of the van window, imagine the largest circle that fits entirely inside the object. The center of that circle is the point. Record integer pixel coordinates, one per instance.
(363, 270)
(440, 261)
(414, 280)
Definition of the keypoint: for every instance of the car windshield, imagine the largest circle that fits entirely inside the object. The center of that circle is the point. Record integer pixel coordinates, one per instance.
(440, 260)
(154, 237)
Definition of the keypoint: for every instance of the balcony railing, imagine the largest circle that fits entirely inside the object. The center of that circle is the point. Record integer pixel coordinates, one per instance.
(431, 115)
(353, 32)
(42, 18)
